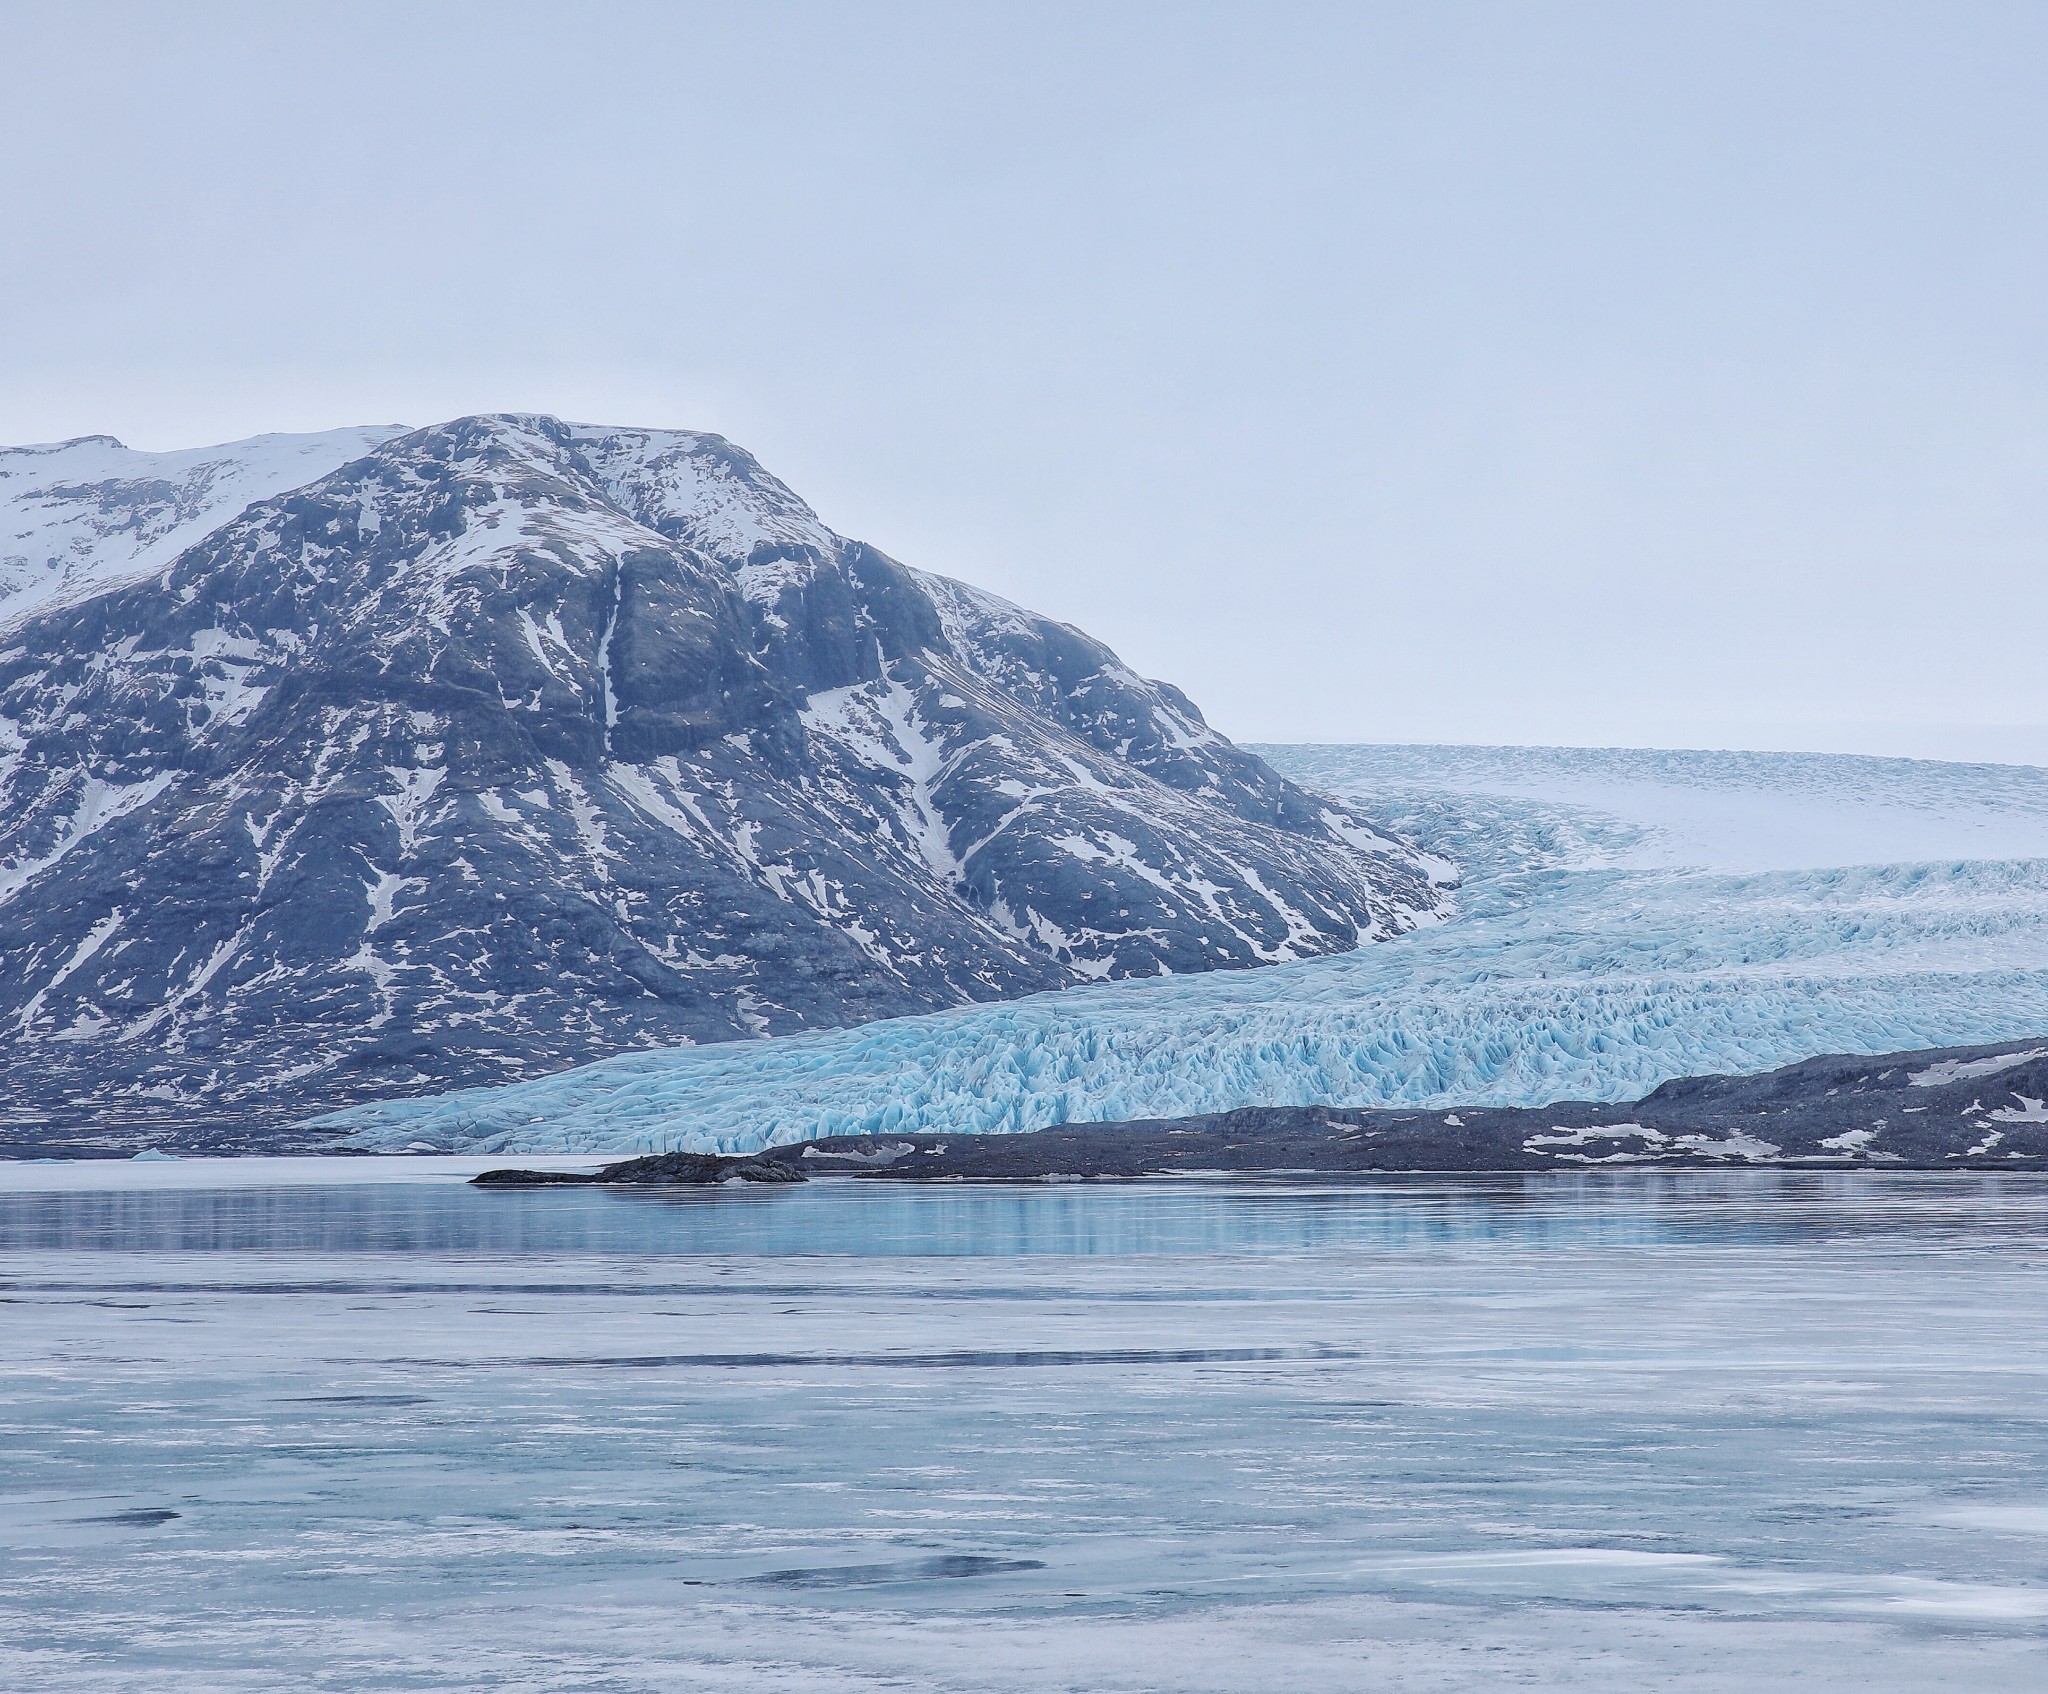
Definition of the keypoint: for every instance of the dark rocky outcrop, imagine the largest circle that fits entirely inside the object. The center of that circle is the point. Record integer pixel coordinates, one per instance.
(658, 1170)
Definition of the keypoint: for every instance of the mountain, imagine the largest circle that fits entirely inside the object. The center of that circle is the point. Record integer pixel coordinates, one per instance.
(482, 750)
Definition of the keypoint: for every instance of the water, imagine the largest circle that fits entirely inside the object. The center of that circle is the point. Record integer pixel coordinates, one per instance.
(1671, 1430)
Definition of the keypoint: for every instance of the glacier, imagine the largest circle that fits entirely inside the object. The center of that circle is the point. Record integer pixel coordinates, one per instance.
(1624, 917)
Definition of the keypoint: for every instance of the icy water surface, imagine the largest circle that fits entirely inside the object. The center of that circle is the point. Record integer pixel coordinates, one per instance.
(1667, 1430)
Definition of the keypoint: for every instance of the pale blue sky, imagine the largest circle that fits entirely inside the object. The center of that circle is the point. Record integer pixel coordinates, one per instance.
(1626, 373)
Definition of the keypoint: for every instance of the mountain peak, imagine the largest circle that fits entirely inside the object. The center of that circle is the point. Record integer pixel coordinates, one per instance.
(502, 744)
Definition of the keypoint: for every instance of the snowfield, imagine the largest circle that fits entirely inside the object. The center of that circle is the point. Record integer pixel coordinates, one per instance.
(1625, 917)
(80, 517)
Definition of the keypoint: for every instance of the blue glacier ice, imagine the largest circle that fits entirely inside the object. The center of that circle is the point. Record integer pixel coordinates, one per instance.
(1624, 917)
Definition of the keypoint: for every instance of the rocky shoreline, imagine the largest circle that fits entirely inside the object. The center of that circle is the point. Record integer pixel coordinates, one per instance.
(1978, 1108)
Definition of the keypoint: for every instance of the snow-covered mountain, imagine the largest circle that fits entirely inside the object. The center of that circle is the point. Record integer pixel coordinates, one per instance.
(341, 767)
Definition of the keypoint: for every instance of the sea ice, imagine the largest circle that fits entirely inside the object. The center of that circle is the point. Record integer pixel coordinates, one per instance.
(1678, 1431)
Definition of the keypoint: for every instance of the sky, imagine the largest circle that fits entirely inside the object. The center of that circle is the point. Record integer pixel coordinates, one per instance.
(1613, 374)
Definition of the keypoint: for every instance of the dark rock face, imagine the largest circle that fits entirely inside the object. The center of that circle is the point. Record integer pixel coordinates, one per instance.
(663, 1170)
(511, 744)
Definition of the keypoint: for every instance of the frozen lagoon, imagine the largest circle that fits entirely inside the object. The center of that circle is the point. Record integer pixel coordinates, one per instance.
(1683, 1431)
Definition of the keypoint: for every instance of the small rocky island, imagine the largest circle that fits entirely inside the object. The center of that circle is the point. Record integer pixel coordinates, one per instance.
(1980, 1108)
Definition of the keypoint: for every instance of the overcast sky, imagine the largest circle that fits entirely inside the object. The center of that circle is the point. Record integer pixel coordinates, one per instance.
(1636, 373)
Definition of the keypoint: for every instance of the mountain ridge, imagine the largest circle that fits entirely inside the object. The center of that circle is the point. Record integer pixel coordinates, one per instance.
(80, 516)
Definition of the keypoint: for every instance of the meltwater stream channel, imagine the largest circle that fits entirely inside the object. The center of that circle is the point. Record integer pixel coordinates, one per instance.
(1619, 1431)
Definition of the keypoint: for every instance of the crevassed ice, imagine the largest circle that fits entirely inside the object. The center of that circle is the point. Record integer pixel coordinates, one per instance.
(1626, 918)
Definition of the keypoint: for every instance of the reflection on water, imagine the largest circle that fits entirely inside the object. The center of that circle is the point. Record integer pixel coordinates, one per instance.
(1604, 1433)
(877, 1219)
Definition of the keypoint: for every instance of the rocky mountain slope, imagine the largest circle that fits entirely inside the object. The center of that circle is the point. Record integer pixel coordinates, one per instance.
(506, 744)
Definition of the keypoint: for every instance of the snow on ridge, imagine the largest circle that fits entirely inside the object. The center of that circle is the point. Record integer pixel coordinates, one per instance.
(1968, 1070)
(78, 517)
(702, 490)
(878, 722)
(96, 804)
(965, 610)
